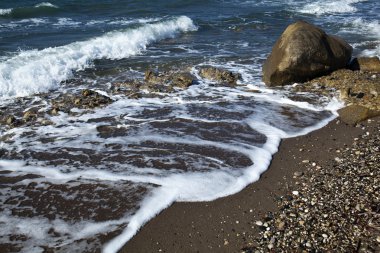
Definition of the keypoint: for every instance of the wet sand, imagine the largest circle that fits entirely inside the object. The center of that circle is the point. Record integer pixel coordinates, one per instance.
(228, 224)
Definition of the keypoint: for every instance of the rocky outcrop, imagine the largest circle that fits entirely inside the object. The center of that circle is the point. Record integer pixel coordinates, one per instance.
(366, 64)
(360, 90)
(176, 79)
(221, 76)
(88, 99)
(303, 52)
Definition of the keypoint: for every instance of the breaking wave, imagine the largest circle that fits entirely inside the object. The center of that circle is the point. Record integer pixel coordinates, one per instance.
(36, 71)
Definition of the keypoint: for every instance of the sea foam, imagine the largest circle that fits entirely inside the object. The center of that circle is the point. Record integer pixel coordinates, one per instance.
(5, 12)
(330, 7)
(36, 71)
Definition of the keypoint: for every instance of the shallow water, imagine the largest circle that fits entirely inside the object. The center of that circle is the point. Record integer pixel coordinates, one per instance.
(88, 181)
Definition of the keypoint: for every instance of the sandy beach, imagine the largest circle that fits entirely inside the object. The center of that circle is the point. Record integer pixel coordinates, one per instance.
(229, 224)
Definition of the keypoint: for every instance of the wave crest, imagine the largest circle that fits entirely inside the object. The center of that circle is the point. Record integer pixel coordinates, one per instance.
(21, 12)
(35, 71)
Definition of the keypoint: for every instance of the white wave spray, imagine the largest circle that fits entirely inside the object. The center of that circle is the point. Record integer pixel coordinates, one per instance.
(4, 12)
(36, 71)
(330, 7)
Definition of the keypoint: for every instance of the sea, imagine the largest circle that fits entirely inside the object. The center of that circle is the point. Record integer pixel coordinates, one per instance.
(68, 187)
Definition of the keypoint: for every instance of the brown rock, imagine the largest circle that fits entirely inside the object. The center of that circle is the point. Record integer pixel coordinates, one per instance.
(221, 76)
(29, 115)
(303, 52)
(369, 64)
(10, 120)
(183, 80)
(354, 114)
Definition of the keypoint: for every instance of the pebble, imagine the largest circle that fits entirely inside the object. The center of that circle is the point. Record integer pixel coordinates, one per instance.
(298, 174)
(296, 193)
(259, 223)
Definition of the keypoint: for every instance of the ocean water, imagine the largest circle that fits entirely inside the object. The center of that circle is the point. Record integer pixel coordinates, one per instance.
(73, 187)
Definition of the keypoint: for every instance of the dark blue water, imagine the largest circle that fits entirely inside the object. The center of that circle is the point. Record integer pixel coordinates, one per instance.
(67, 186)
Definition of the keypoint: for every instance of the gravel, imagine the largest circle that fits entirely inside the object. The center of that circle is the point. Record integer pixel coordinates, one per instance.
(335, 208)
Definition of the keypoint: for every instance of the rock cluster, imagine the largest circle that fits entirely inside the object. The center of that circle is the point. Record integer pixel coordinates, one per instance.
(359, 89)
(333, 209)
(156, 83)
(303, 52)
(87, 99)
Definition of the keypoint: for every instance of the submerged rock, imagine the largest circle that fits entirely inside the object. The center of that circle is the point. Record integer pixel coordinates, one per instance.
(221, 76)
(10, 120)
(303, 52)
(183, 80)
(88, 99)
(176, 79)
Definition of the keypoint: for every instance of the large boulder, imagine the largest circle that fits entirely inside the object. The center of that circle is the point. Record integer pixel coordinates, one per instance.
(303, 52)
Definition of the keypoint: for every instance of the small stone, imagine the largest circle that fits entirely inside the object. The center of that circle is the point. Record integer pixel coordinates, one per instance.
(281, 225)
(324, 235)
(87, 92)
(313, 164)
(308, 245)
(270, 246)
(296, 193)
(259, 223)
(11, 119)
(54, 111)
(226, 242)
(305, 161)
(77, 101)
(29, 115)
(237, 222)
(378, 239)
(298, 174)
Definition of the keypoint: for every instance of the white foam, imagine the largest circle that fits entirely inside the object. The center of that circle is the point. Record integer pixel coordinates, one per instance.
(46, 4)
(36, 71)
(66, 22)
(323, 7)
(5, 11)
(370, 29)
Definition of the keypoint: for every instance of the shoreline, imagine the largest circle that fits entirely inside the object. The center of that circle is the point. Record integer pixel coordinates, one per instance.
(228, 224)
